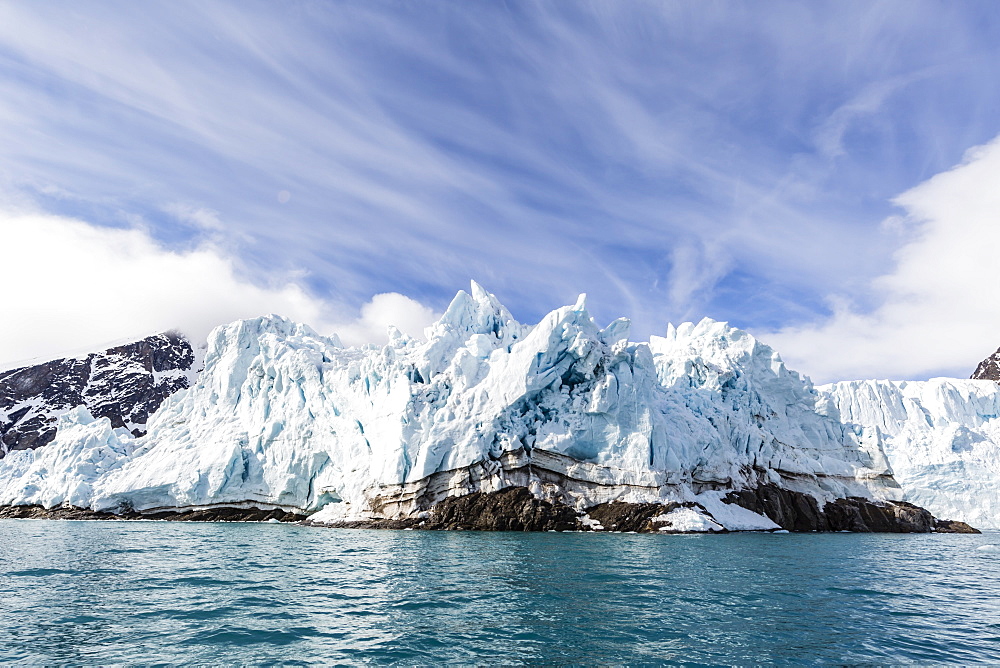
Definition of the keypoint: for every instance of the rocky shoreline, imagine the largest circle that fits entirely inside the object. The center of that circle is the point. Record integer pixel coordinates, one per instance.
(799, 512)
(516, 509)
(220, 514)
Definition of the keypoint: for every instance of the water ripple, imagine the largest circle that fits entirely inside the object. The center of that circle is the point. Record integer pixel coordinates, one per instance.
(88, 593)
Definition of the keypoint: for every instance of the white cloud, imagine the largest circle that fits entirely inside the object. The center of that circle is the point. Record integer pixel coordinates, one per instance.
(69, 287)
(939, 307)
(390, 308)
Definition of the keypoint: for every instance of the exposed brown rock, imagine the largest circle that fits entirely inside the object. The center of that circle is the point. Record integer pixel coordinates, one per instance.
(409, 523)
(953, 526)
(988, 369)
(856, 514)
(620, 516)
(638, 517)
(510, 509)
(225, 514)
(59, 513)
(221, 514)
(796, 511)
(516, 509)
(790, 510)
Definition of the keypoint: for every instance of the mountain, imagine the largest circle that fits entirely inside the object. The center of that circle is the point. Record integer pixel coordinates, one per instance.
(704, 427)
(124, 384)
(989, 368)
(942, 438)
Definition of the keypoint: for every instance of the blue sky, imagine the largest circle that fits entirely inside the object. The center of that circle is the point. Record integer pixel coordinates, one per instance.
(671, 159)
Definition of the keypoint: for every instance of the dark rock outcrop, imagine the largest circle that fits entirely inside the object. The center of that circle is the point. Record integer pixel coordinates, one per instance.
(515, 509)
(988, 369)
(124, 384)
(511, 509)
(637, 517)
(220, 514)
(790, 510)
(59, 513)
(953, 526)
(796, 511)
(225, 514)
(408, 523)
(855, 514)
(619, 516)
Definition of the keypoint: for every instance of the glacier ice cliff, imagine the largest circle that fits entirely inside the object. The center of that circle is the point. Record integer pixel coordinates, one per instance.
(284, 417)
(942, 438)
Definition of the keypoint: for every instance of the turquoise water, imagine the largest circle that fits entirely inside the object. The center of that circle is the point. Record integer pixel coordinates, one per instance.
(149, 592)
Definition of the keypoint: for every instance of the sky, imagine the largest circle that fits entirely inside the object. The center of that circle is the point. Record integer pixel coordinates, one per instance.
(824, 175)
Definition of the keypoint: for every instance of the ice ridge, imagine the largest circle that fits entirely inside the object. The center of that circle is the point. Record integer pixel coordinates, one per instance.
(283, 416)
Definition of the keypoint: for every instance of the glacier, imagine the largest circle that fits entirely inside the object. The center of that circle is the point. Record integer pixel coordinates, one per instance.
(284, 417)
(942, 438)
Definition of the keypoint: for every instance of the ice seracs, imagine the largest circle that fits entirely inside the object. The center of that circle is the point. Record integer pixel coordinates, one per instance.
(942, 438)
(87, 449)
(284, 417)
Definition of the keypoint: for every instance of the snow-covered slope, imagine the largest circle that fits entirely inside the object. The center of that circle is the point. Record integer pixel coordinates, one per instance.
(125, 384)
(285, 417)
(942, 437)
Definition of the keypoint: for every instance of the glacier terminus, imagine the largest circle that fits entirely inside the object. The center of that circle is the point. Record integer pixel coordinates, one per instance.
(705, 428)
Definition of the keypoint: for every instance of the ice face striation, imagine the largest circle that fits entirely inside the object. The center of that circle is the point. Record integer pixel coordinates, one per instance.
(124, 384)
(942, 437)
(284, 417)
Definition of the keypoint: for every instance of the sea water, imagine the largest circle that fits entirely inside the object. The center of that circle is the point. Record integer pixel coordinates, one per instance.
(152, 592)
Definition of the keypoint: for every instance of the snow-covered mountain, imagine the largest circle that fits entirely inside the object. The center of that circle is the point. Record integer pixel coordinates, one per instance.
(284, 417)
(988, 369)
(125, 384)
(942, 438)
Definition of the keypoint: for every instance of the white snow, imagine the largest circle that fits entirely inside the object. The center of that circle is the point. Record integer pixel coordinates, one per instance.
(687, 520)
(942, 437)
(733, 517)
(282, 416)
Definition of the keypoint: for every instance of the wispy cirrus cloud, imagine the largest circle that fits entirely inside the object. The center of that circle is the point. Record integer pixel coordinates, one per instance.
(733, 161)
